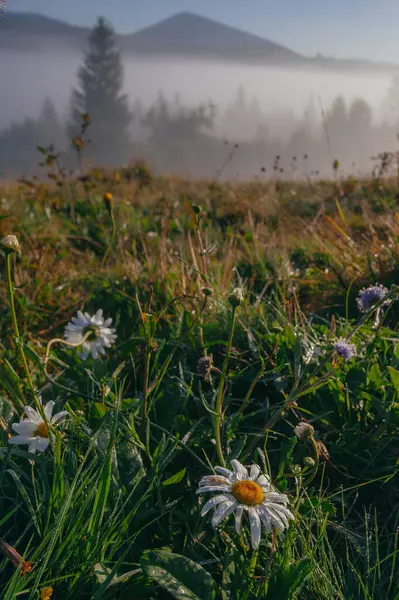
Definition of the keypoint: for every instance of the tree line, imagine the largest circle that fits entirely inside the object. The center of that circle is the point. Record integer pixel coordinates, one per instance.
(242, 141)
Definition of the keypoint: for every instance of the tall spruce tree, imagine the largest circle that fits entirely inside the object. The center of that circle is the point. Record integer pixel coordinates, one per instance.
(99, 95)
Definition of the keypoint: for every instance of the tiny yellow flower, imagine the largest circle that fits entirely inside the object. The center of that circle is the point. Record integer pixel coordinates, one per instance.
(46, 593)
(108, 201)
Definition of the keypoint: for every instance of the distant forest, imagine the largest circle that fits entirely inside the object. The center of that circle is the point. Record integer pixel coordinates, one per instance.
(241, 141)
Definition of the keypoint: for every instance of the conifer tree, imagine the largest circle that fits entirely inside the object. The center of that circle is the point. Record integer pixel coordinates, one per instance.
(100, 95)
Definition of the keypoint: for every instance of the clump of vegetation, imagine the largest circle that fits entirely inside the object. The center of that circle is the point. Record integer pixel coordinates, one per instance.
(174, 353)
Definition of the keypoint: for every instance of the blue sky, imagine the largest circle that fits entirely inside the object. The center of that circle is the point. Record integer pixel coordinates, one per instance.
(343, 28)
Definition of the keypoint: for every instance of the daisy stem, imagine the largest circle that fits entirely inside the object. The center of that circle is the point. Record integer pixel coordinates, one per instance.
(217, 420)
(61, 341)
(10, 293)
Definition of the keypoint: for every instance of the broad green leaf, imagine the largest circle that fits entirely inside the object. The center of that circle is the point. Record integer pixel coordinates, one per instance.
(175, 478)
(180, 576)
(99, 410)
(394, 374)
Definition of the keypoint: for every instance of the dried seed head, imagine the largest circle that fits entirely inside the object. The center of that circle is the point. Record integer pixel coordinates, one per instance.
(204, 366)
(304, 431)
(236, 298)
(10, 244)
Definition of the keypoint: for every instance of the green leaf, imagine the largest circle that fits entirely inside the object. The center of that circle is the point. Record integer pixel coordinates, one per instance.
(394, 378)
(287, 581)
(180, 576)
(234, 582)
(175, 478)
(20, 287)
(99, 410)
(374, 375)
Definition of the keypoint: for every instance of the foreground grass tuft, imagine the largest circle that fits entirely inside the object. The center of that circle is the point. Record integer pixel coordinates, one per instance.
(251, 325)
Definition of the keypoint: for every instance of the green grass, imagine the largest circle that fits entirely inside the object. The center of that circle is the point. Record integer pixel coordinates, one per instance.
(110, 510)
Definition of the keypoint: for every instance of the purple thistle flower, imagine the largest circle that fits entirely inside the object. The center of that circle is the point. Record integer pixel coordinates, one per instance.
(368, 297)
(345, 349)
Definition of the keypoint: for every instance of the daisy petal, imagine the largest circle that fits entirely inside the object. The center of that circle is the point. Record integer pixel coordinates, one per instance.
(239, 513)
(265, 518)
(214, 480)
(223, 511)
(32, 414)
(263, 481)
(85, 352)
(214, 488)
(254, 521)
(239, 470)
(277, 498)
(214, 502)
(254, 472)
(277, 523)
(21, 439)
(48, 410)
(226, 472)
(25, 427)
(59, 416)
(42, 444)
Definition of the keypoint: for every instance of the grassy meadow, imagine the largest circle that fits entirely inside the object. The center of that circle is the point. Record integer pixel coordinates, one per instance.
(227, 301)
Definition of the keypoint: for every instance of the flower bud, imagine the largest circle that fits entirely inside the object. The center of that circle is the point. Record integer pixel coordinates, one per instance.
(308, 461)
(46, 593)
(197, 209)
(304, 431)
(10, 244)
(207, 291)
(108, 201)
(236, 298)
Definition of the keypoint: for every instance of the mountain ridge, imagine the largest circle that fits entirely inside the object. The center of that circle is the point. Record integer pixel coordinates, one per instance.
(184, 34)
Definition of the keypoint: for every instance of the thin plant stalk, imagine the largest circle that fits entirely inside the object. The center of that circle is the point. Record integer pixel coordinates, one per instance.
(217, 420)
(10, 293)
(113, 234)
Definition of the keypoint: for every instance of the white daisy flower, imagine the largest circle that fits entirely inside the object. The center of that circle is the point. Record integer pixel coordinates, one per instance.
(246, 491)
(32, 429)
(102, 336)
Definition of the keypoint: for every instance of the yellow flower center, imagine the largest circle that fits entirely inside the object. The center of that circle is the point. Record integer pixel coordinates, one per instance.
(248, 492)
(42, 430)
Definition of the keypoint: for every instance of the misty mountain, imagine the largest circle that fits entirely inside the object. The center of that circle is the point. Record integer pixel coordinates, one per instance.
(30, 31)
(189, 34)
(184, 35)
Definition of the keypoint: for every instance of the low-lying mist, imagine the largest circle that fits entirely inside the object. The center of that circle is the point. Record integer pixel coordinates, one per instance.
(252, 105)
